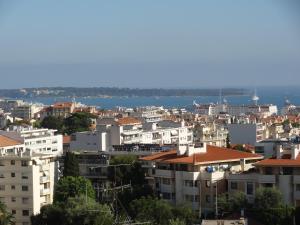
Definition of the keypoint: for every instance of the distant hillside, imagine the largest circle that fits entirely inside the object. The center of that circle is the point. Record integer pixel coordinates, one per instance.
(112, 91)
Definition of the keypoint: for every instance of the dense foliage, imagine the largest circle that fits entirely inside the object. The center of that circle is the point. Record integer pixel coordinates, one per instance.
(71, 165)
(6, 218)
(76, 122)
(160, 212)
(74, 211)
(73, 187)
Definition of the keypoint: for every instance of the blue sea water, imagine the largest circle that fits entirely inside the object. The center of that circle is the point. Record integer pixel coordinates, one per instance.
(276, 96)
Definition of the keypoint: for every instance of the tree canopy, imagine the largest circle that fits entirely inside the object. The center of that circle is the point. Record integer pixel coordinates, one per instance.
(74, 211)
(78, 122)
(6, 218)
(71, 165)
(266, 198)
(73, 187)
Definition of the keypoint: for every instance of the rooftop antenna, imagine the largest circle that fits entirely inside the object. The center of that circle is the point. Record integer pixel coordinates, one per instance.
(255, 98)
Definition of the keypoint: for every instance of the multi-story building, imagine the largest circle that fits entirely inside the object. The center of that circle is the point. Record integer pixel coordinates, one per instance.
(211, 134)
(281, 171)
(129, 130)
(9, 104)
(195, 174)
(59, 109)
(26, 179)
(246, 133)
(43, 141)
(26, 111)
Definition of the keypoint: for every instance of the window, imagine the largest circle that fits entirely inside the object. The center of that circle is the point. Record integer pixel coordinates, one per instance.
(189, 198)
(13, 175)
(25, 200)
(12, 162)
(24, 176)
(2, 175)
(2, 187)
(24, 163)
(197, 198)
(233, 185)
(13, 187)
(188, 183)
(166, 181)
(297, 187)
(13, 211)
(2, 163)
(25, 212)
(249, 188)
(24, 188)
(268, 171)
(13, 199)
(166, 195)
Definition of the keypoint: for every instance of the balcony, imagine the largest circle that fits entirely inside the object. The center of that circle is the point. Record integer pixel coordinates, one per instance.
(44, 179)
(164, 173)
(266, 179)
(45, 191)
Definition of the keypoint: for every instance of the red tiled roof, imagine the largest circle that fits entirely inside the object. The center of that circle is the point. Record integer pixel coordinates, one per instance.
(280, 162)
(6, 141)
(213, 154)
(128, 121)
(63, 104)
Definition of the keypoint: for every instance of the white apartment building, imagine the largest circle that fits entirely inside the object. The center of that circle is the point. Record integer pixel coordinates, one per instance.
(129, 130)
(26, 111)
(281, 171)
(195, 174)
(43, 141)
(235, 110)
(26, 179)
(211, 134)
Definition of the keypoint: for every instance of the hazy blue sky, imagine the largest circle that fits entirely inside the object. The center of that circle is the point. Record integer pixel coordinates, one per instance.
(149, 43)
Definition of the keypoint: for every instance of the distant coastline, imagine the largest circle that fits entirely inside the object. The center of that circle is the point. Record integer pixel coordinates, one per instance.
(110, 92)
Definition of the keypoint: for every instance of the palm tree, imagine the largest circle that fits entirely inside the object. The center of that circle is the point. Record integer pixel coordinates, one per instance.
(6, 218)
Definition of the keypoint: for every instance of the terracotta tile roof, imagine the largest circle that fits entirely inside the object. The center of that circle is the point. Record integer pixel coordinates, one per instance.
(213, 154)
(6, 141)
(279, 162)
(66, 139)
(63, 104)
(128, 121)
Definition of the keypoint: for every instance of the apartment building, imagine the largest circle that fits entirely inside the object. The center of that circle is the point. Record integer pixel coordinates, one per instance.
(43, 141)
(26, 179)
(26, 111)
(59, 109)
(246, 133)
(129, 130)
(281, 171)
(194, 174)
(211, 134)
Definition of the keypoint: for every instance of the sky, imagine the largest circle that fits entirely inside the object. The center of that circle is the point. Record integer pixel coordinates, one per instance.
(149, 43)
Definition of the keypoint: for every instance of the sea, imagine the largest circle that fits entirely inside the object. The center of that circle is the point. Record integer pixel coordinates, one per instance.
(275, 95)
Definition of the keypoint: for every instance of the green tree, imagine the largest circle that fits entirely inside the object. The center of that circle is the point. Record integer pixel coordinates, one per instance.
(266, 198)
(52, 122)
(73, 187)
(71, 165)
(176, 222)
(74, 211)
(232, 203)
(6, 218)
(78, 122)
(157, 211)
